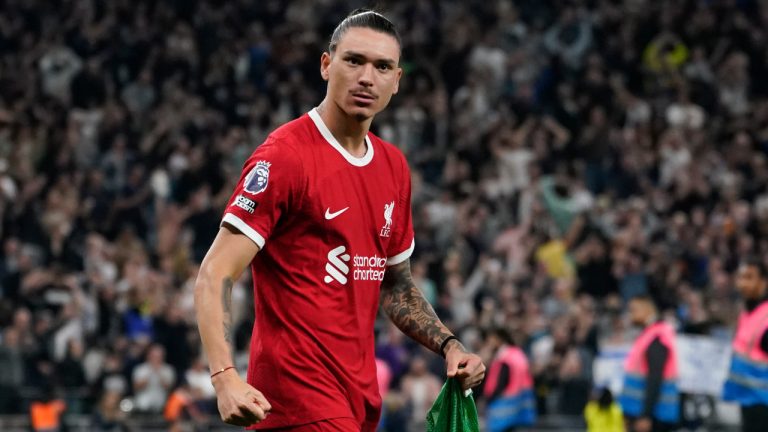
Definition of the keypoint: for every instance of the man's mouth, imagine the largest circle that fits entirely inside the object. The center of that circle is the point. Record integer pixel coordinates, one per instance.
(363, 97)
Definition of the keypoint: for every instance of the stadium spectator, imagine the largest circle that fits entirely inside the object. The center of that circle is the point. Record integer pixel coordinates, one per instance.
(750, 347)
(46, 412)
(11, 372)
(72, 376)
(111, 379)
(200, 388)
(509, 388)
(420, 388)
(650, 394)
(152, 381)
(603, 414)
(108, 417)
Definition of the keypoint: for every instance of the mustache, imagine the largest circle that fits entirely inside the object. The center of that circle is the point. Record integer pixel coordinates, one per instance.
(363, 90)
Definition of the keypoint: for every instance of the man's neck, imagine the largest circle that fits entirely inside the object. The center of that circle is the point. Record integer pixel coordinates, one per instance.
(752, 303)
(651, 321)
(348, 131)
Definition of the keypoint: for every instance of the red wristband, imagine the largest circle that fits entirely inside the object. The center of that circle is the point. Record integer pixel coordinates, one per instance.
(222, 370)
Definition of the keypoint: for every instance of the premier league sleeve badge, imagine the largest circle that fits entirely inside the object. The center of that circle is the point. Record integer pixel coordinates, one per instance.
(256, 180)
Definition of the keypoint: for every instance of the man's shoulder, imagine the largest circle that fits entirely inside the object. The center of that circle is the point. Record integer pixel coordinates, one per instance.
(292, 133)
(390, 150)
(285, 143)
(386, 145)
(141, 369)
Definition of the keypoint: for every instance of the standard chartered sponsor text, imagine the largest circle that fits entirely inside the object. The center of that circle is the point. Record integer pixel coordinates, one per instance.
(369, 268)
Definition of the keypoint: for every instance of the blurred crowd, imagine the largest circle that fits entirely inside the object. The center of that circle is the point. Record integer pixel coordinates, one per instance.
(566, 156)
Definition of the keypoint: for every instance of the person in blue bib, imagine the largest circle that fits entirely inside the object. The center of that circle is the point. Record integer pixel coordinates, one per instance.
(747, 382)
(650, 397)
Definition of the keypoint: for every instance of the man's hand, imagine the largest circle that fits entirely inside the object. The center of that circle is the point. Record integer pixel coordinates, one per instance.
(643, 424)
(406, 306)
(239, 403)
(465, 366)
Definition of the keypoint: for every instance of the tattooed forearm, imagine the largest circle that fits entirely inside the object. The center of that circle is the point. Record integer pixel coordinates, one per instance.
(406, 306)
(226, 303)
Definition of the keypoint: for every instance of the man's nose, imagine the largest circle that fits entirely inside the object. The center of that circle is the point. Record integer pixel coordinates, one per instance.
(366, 75)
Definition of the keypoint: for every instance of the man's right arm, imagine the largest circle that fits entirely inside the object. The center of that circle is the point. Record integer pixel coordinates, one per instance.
(230, 254)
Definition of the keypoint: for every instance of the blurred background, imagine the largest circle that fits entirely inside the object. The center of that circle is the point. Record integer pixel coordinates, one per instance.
(566, 156)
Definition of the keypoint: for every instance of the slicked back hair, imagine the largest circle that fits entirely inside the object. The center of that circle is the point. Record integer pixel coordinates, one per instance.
(363, 18)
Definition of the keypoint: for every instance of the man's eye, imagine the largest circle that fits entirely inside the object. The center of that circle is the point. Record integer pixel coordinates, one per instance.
(353, 61)
(384, 67)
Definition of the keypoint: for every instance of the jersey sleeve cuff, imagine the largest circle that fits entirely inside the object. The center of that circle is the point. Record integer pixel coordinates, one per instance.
(402, 256)
(245, 229)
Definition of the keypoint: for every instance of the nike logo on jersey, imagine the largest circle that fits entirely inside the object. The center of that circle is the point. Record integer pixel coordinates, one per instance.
(329, 215)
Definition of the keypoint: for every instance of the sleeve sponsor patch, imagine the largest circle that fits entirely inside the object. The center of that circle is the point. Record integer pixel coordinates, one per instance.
(256, 181)
(245, 203)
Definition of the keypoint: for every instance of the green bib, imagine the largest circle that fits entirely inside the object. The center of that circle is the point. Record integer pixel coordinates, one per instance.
(452, 411)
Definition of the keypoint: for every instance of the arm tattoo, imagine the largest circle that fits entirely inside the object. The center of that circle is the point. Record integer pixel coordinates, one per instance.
(226, 303)
(409, 310)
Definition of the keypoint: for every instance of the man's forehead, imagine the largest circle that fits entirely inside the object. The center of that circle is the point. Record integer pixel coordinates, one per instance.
(371, 43)
(748, 268)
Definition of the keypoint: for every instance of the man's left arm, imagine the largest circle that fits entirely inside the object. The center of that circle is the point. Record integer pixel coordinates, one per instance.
(656, 357)
(764, 342)
(406, 306)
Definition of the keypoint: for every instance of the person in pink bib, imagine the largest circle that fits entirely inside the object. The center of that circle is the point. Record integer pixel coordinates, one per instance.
(509, 386)
(747, 382)
(650, 397)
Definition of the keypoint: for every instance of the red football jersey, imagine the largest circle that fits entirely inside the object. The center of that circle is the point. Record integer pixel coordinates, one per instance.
(328, 224)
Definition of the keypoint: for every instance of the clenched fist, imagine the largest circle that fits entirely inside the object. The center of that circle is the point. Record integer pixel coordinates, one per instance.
(239, 403)
(468, 368)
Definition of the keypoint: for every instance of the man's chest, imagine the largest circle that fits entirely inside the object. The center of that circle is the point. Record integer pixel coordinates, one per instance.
(344, 226)
(355, 205)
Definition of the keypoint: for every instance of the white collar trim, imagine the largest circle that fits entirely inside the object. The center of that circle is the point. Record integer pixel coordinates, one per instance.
(326, 133)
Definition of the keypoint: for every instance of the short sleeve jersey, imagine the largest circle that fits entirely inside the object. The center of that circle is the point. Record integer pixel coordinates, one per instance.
(328, 225)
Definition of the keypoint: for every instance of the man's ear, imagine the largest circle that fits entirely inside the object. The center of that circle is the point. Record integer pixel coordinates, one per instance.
(399, 72)
(325, 64)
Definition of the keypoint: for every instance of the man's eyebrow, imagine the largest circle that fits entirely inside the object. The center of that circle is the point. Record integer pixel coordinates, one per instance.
(362, 56)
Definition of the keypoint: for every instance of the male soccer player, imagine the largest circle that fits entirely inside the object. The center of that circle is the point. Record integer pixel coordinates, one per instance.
(326, 205)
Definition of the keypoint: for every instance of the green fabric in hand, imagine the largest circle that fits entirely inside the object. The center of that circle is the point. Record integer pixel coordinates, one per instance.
(452, 410)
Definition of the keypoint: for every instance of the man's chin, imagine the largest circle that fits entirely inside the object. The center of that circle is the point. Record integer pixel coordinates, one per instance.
(360, 113)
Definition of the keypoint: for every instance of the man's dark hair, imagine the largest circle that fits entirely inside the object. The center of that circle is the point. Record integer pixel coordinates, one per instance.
(753, 261)
(501, 333)
(645, 298)
(606, 398)
(363, 18)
